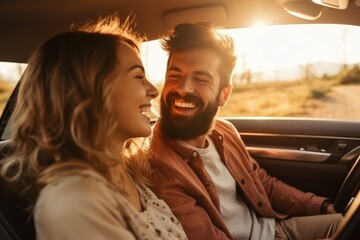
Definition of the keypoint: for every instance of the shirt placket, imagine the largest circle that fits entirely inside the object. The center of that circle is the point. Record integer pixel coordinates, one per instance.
(198, 167)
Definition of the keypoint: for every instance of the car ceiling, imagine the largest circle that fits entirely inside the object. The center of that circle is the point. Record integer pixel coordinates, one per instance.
(24, 24)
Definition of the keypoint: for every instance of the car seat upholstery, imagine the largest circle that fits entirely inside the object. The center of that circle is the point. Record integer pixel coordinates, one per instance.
(6, 231)
(15, 222)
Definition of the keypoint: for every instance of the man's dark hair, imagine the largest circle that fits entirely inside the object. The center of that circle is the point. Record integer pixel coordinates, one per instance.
(188, 36)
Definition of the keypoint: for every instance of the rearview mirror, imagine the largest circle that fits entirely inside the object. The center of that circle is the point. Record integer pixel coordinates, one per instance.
(305, 9)
(339, 4)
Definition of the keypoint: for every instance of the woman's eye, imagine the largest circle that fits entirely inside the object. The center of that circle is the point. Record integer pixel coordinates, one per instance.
(140, 76)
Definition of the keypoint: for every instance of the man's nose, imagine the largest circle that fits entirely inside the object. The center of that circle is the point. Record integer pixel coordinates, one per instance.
(187, 85)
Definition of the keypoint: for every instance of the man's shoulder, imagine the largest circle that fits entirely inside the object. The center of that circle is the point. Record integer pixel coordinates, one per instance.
(224, 126)
(222, 121)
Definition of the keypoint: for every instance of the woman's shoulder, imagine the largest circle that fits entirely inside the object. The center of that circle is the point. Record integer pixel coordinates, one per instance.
(82, 204)
(83, 188)
(75, 182)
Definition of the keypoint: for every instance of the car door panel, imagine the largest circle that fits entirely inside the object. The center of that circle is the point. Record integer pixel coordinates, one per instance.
(311, 154)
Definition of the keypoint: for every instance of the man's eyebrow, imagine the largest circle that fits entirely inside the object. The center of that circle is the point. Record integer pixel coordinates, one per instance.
(135, 67)
(199, 72)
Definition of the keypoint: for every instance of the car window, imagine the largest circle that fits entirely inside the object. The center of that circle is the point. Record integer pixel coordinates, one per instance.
(308, 70)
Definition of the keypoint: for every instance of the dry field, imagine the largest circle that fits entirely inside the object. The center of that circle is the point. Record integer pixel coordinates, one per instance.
(342, 102)
(279, 99)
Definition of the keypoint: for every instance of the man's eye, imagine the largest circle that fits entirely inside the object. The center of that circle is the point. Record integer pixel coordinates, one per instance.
(201, 80)
(140, 76)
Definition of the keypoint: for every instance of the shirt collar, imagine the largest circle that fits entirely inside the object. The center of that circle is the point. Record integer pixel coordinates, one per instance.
(184, 152)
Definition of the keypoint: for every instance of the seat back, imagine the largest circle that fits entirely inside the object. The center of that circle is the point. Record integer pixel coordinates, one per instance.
(15, 222)
(6, 231)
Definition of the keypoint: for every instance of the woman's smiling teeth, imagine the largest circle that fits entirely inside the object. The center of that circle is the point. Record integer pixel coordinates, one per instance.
(145, 109)
(182, 104)
(149, 111)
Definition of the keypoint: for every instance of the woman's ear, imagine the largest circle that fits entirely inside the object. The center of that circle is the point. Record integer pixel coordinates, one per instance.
(224, 95)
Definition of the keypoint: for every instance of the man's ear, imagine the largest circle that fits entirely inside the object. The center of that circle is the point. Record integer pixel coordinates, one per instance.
(224, 95)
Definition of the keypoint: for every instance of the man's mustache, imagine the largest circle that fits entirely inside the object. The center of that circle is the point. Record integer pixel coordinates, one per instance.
(187, 98)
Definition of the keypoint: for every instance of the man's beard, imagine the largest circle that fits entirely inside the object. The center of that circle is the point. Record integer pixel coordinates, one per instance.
(184, 127)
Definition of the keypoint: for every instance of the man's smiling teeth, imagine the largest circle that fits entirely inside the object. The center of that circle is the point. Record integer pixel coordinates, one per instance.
(184, 104)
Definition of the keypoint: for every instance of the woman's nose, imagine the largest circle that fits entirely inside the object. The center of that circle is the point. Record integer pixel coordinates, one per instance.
(152, 90)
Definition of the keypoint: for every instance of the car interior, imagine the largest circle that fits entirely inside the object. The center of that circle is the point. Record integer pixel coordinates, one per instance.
(313, 154)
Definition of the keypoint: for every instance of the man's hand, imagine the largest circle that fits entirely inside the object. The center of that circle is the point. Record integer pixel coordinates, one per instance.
(330, 209)
(327, 207)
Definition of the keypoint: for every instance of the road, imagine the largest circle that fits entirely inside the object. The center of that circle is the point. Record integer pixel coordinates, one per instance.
(343, 102)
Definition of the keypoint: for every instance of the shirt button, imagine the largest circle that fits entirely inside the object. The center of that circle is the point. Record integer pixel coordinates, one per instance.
(242, 181)
(195, 154)
(260, 204)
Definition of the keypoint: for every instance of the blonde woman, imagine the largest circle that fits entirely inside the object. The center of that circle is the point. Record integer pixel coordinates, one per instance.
(82, 99)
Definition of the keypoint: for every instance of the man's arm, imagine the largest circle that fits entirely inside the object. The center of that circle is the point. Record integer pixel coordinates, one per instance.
(288, 199)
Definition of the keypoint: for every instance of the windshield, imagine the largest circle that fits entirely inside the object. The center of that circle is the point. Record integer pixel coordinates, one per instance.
(308, 70)
(287, 71)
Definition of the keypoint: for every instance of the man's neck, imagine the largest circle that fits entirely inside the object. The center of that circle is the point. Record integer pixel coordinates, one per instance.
(199, 142)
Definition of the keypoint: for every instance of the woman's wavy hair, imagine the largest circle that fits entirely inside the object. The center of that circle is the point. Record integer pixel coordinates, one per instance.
(64, 116)
(189, 36)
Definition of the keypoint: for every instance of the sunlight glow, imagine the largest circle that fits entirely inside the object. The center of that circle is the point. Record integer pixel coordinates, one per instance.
(271, 48)
(267, 51)
(259, 25)
(154, 60)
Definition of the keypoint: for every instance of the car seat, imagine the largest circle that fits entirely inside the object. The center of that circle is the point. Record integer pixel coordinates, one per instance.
(15, 222)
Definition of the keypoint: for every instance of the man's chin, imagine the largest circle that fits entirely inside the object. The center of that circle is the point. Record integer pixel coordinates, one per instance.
(180, 122)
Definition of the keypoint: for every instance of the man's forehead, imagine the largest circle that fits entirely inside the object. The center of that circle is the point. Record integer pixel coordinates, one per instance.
(198, 58)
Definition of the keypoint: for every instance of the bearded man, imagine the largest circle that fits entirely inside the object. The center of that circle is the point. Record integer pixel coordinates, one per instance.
(200, 164)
